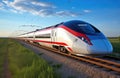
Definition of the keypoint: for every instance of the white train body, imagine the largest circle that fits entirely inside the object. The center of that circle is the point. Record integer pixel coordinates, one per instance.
(76, 37)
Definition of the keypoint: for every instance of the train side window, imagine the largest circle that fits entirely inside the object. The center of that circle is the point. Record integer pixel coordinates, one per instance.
(30, 37)
(43, 36)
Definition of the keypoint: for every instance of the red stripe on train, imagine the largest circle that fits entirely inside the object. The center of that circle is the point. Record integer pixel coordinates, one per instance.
(60, 43)
(76, 33)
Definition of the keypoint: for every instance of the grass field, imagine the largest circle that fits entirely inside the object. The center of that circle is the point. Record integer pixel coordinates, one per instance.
(23, 63)
(2, 56)
(116, 44)
(116, 47)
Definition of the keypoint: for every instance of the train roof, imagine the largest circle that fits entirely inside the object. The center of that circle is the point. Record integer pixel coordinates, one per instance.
(43, 28)
(74, 22)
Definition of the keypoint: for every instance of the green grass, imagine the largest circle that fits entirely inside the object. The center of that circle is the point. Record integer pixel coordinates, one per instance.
(116, 44)
(3, 51)
(23, 63)
(116, 47)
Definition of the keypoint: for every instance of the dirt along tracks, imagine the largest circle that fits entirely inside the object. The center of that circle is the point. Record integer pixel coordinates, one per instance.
(7, 73)
(4, 63)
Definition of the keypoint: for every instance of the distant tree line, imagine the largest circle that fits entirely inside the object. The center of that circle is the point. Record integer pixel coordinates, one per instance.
(115, 38)
(119, 38)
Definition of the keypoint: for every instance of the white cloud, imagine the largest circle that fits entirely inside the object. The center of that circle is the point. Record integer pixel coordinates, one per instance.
(73, 7)
(44, 12)
(67, 13)
(6, 1)
(43, 4)
(12, 10)
(87, 11)
(36, 7)
(1, 6)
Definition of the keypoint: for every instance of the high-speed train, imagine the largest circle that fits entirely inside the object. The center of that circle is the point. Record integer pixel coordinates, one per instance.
(75, 37)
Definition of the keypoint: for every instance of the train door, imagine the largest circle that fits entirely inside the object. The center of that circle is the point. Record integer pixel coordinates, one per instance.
(79, 46)
(75, 45)
(53, 35)
(34, 35)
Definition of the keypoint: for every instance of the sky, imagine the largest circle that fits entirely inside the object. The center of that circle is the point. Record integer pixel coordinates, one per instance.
(21, 16)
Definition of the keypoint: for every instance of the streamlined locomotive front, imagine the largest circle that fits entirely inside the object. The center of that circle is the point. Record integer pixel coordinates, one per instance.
(88, 39)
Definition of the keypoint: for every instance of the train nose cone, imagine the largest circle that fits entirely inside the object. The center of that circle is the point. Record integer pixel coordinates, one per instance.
(100, 46)
(109, 45)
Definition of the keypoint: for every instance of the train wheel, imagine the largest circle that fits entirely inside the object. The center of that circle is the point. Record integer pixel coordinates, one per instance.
(62, 49)
(69, 53)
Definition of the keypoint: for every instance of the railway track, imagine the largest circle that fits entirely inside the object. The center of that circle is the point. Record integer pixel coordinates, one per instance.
(109, 65)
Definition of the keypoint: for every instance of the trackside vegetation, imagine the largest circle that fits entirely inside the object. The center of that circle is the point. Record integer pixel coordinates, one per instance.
(116, 46)
(24, 63)
(2, 56)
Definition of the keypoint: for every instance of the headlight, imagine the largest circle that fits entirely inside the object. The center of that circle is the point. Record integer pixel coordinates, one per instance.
(85, 40)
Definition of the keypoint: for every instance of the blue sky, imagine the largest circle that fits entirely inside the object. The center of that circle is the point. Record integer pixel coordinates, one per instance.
(20, 16)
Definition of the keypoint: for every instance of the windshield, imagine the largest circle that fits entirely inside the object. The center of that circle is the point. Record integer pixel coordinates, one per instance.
(85, 28)
(82, 27)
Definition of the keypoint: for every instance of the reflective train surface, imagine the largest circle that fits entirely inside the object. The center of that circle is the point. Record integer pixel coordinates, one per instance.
(74, 37)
